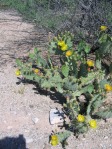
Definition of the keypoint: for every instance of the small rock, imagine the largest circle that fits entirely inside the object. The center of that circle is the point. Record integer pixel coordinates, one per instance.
(9, 127)
(56, 116)
(26, 131)
(106, 137)
(83, 139)
(29, 140)
(35, 120)
(101, 145)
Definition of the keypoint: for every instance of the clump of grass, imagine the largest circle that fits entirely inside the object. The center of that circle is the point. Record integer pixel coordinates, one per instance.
(45, 12)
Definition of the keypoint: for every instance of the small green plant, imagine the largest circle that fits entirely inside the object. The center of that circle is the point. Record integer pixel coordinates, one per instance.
(74, 75)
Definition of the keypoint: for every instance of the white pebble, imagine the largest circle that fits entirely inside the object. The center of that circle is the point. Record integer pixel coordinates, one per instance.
(56, 116)
(35, 120)
(106, 137)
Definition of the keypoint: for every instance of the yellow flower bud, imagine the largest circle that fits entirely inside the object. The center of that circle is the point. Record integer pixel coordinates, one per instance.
(18, 72)
(93, 123)
(61, 43)
(36, 71)
(80, 118)
(64, 47)
(54, 137)
(90, 63)
(69, 53)
(108, 87)
(103, 28)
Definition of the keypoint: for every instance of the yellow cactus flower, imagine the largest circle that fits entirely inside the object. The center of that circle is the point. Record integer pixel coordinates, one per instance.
(61, 43)
(69, 53)
(93, 123)
(36, 71)
(64, 47)
(54, 140)
(103, 28)
(108, 87)
(18, 72)
(80, 118)
(90, 63)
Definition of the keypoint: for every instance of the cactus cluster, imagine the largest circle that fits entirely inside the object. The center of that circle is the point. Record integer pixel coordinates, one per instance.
(75, 76)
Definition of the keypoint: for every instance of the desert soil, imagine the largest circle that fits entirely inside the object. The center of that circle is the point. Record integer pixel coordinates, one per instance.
(23, 110)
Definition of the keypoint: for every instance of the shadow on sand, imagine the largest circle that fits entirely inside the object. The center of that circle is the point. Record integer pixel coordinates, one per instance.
(13, 143)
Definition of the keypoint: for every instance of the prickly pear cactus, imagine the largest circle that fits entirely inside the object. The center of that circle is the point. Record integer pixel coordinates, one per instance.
(73, 77)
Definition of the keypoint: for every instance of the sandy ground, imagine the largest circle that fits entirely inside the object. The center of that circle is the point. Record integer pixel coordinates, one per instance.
(24, 112)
